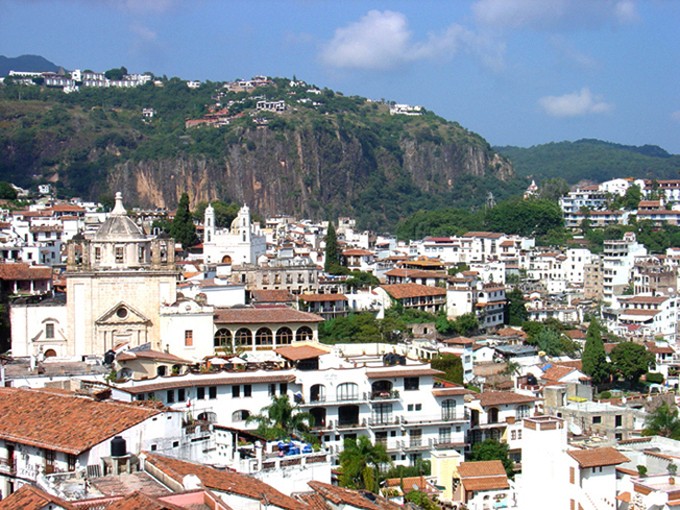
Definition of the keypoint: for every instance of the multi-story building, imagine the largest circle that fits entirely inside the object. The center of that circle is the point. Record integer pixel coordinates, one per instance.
(241, 244)
(468, 294)
(618, 259)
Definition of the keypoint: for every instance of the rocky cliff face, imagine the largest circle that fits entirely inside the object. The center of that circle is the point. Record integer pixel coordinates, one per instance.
(304, 172)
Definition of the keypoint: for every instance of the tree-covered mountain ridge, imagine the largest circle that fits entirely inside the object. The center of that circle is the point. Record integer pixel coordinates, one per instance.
(592, 160)
(325, 154)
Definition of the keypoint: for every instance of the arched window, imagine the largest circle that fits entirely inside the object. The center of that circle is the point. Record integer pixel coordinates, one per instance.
(348, 391)
(208, 416)
(264, 337)
(244, 338)
(240, 415)
(317, 393)
(284, 336)
(50, 353)
(222, 338)
(304, 333)
(449, 409)
(162, 371)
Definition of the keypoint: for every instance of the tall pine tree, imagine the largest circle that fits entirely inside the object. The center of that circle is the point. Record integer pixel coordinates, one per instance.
(594, 359)
(332, 254)
(183, 229)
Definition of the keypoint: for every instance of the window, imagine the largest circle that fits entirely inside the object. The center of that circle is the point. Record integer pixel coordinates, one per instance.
(200, 393)
(263, 337)
(449, 409)
(411, 383)
(222, 338)
(170, 396)
(445, 435)
(50, 456)
(189, 338)
(348, 391)
(284, 336)
(181, 395)
(247, 390)
(49, 330)
(597, 419)
(572, 474)
(212, 392)
(283, 388)
(382, 413)
(618, 420)
(240, 415)
(97, 254)
(71, 461)
(272, 390)
(235, 391)
(120, 255)
(522, 411)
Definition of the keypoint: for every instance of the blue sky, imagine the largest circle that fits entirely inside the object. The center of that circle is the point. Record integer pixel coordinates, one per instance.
(518, 72)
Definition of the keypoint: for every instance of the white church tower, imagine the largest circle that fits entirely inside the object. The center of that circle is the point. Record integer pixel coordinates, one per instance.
(241, 244)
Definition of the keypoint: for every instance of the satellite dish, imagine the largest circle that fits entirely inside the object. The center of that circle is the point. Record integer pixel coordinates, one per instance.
(575, 429)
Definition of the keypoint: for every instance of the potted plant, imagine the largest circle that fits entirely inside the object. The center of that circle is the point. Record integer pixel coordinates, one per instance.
(672, 469)
(642, 470)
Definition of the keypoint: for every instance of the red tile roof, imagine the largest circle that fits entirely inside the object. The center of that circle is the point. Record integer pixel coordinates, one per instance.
(11, 271)
(137, 501)
(271, 296)
(357, 253)
(170, 383)
(152, 355)
(344, 498)
(64, 422)
(408, 290)
(322, 298)
(297, 353)
(596, 457)
(230, 482)
(402, 371)
(483, 475)
(494, 398)
(263, 316)
(32, 498)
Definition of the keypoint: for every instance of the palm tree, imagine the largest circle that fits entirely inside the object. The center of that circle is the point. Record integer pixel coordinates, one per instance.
(663, 421)
(280, 419)
(359, 463)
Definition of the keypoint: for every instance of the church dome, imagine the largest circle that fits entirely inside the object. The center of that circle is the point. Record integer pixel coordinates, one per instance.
(118, 227)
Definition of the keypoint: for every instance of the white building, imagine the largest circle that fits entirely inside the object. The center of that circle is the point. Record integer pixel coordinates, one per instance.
(243, 243)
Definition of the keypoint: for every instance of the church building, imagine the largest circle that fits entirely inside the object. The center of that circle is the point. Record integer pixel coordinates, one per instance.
(242, 244)
(116, 281)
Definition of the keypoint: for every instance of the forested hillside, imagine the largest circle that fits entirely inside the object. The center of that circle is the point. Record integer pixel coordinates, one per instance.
(592, 160)
(326, 154)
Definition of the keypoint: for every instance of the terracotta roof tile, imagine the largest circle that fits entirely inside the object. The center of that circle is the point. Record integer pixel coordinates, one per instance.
(64, 423)
(260, 377)
(451, 391)
(402, 371)
(483, 475)
(32, 498)
(342, 498)
(137, 501)
(596, 457)
(271, 296)
(407, 290)
(494, 398)
(263, 316)
(230, 482)
(322, 298)
(299, 352)
(20, 271)
(152, 355)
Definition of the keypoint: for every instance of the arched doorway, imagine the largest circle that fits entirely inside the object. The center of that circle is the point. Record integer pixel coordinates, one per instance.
(381, 389)
(348, 415)
(319, 415)
(317, 393)
(50, 353)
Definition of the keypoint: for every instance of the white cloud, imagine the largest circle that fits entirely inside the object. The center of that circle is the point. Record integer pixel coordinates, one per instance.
(382, 40)
(575, 104)
(551, 14)
(143, 32)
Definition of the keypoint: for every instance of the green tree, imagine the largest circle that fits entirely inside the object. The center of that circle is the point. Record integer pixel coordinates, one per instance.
(183, 229)
(420, 499)
(553, 189)
(451, 365)
(116, 73)
(516, 311)
(360, 461)
(631, 360)
(594, 359)
(361, 280)
(332, 259)
(490, 449)
(280, 419)
(7, 192)
(663, 421)
(466, 324)
(534, 217)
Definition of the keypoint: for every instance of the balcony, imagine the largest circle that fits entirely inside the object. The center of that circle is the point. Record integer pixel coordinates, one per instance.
(384, 422)
(445, 417)
(345, 426)
(8, 466)
(384, 396)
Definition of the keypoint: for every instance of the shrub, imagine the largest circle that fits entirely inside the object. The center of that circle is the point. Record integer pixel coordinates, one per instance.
(654, 377)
